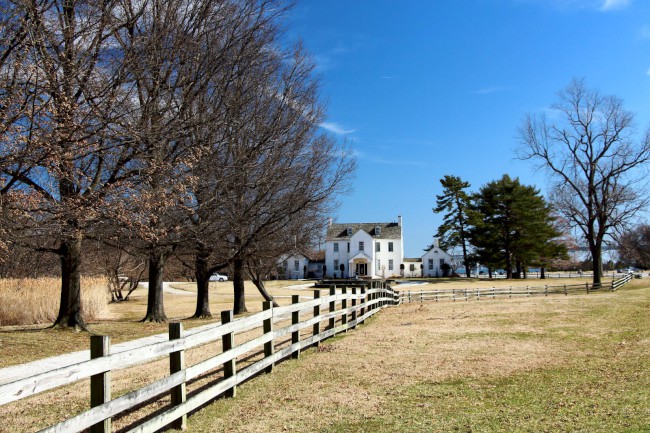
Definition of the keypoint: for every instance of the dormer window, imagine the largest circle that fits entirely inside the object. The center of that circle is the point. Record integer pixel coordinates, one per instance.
(349, 231)
(377, 231)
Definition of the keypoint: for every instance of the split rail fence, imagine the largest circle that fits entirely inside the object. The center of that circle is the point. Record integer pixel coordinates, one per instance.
(279, 333)
(408, 296)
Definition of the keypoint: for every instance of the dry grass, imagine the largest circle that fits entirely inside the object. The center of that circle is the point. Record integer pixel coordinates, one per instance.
(30, 301)
(490, 365)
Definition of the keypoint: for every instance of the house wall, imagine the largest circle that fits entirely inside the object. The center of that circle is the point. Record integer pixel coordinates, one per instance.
(435, 254)
(289, 265)
(383, 255)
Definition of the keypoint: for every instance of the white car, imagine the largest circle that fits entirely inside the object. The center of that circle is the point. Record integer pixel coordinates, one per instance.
(218, 277)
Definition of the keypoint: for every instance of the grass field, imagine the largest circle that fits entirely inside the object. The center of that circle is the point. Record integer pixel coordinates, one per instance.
(575, 363)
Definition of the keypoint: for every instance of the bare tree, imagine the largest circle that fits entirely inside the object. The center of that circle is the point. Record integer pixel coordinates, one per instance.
(597, 166)
(59, 161)
(633, 246)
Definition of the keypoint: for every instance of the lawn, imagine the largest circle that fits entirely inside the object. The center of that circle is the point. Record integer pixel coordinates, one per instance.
(561, 363)
(576, 363)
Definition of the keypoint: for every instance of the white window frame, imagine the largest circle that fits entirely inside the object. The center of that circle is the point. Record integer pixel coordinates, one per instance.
(390, 264)
(361, 246)
(336, 247)
(431, 264)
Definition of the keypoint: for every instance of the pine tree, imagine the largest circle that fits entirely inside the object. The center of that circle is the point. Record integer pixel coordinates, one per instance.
(512, 226)
(455, 202)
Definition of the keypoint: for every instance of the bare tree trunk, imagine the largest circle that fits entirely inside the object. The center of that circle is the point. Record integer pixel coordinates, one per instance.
(597, 258)
(70, 308)
(202, 274)
(542, 273)
(238, 286)
(155, 306)
(259, 283)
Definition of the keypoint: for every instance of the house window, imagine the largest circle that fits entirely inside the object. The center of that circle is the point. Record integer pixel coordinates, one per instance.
(390, 247)
(412, 267)
(349, 231)
(336, 265)
(377, 247)
(377, 231)
(378, 265)
(442, 262)
(296, 265)
(431, 264)
(390, 265)
(360, 245)
(348, 247)
(336, 247)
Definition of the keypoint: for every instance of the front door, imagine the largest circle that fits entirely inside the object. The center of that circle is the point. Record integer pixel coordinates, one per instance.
(362, 269)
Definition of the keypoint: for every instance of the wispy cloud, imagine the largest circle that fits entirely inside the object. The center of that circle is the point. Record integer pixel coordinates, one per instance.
(644, 32)
(601, 5)
(493, 89)
(648, 71)
(335, 128)
(614, 4)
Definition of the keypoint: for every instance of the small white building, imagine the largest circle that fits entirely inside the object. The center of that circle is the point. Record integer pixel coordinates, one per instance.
(412, 268)
(371, 250)
(436, 261)
(294, 266)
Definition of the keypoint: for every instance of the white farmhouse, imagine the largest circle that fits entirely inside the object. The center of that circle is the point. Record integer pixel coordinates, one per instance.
(371, 250)
(436, 262)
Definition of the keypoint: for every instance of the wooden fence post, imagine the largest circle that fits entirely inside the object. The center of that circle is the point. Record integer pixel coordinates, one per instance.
(354, 310)
(332, 308)
(409, 296)
(364, 299)
(100, 384)
(587, 284)
(545, 289)
(295, 319)
(316, 327)
(228, 343)
(267, 326)
(176, 364)
(565, 292)
(344, 306)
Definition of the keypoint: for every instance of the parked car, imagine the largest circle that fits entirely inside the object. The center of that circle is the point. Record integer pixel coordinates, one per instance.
(218, 277)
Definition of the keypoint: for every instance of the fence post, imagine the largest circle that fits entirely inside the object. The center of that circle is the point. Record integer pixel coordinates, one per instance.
(565, 292)
(176, 364)
(267, 327)
(409, 296)
(453, 295)
(466, 295)
(587, 284)
(545, 289)
(363, 302)
(228, 343)
(100, 384)
(527, 291)
(478, 294)
(354, 305)
(436, 294)
(295, 319)
(344, 306)
(332, 307)
(421, 297)
(316, 327)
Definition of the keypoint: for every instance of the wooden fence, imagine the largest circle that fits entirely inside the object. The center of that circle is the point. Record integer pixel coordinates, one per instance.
(282, 332)
(407, 296)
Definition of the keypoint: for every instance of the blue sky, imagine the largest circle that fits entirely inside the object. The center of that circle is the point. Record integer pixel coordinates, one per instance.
(426, 88)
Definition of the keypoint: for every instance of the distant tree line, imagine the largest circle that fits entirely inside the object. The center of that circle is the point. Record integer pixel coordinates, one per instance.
(158, 130)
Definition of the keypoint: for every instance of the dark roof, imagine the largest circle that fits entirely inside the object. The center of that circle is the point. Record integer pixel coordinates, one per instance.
(387, 230)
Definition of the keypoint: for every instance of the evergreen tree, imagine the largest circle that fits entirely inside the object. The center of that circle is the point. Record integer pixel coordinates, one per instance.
(455, 202)
(512, 226)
